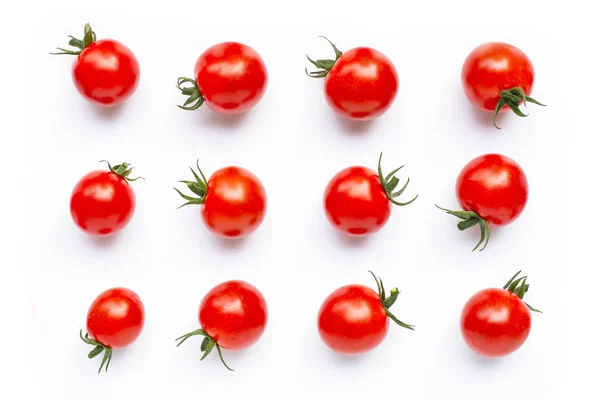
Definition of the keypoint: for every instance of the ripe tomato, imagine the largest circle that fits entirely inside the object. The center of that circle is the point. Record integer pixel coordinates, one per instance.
(360, 84)
(354, 318)
(102, 202)
(233, 315)
(496, 322)
(234, 201)
(115, 319)
(497, 77)
(492, 189)
(230, 77)
(106, 72)
(357, 199)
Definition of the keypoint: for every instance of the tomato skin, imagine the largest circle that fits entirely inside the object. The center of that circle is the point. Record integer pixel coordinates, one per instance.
(493, 67)
(362, 84)
(235, 203)
(116, 317)
(495, 322)
(234, 314)
(495, 187)
(355, 202)
(232, 77)
(352, 320)
(102, 203)
(106, 73)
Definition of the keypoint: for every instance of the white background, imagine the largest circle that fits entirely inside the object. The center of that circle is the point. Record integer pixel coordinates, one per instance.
(294, 143)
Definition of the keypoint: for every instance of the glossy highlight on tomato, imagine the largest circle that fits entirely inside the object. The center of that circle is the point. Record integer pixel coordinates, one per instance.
(230, 77)
(103, 202)
(492, 190)
(233, 315)
(115, 320)
(357, 200)
(233, 201)
(353, 319)
(498, 77)
(360, 84)
(496, 322)
(105, 72)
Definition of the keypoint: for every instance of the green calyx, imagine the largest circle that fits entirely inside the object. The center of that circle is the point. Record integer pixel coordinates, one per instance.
(323, 65)
(195, 99)
(388, 302)
(519, 287)
(198, 187)
(512, 98)
(390, 182)
(98, 348)
(123, 170)
(208, 344)
(469, 219)
(89, 37)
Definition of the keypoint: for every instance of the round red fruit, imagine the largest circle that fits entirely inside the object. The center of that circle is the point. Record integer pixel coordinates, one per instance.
(106, 72)
(354, 318)
(360, 84)
(115, 320)
(233, 315)
(496, 322)
(230, 77)
(498, 77)
(492, 190)
(358, 200)
(233, 201)
(102, 202)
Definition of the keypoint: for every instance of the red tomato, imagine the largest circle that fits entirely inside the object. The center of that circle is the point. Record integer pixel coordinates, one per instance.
(497, 77)
(234, 201)
(492, 190)
(495, 187)
(357, 199)
(115, 320)
(106, 72)
(230, 77)
(354, 318)
(233, 316)
(496, 322)
(102, 202)
(360, 84)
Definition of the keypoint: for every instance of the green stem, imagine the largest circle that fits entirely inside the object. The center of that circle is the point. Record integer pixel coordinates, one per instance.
(98, 348)
(512, 98)
(468, 220)
(519, 287)
(390, 182)
(388, 302)
(324, 66)
(198, 187)
(124, 170)
(193, 93)
(207, 345)
(89, 37)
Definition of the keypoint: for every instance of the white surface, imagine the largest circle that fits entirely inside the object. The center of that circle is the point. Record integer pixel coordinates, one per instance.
(294, 143)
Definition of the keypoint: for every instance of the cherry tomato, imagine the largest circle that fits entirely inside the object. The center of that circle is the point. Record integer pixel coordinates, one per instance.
(102, 202)
(360, 84)
(496, 322)
(358, 200)
(492, 189)
(498, 77)
(106, 72)
(354, 318)
(230, 77)
(115, 320)
(234, 201)
(233, 315)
